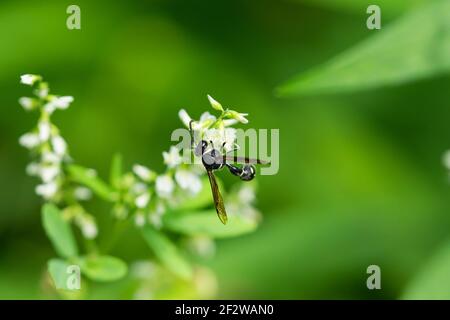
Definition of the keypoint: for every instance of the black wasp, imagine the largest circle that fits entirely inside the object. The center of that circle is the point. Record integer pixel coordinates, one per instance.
(213, 160)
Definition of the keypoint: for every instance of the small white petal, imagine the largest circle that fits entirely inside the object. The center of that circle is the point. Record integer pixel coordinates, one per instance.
(47, 190)
(229, 122)
(33, 169)
(50, 157)
(48, 173)
(49, 107)
(139, 188)
(29, 140)
(89, 229)
(172, 158)
(29, 79)
(82, 193)
(144, 173)
(246, 194)
(42, 92)
(139, 219)
(63, 102)
(27, 103)
(188, 180)
(184, 117)
(216, 105)
(59, 145)
(155, 220)
(44, 130)
(164, 186)
(202, 245)
(143, 200)
(446, 159)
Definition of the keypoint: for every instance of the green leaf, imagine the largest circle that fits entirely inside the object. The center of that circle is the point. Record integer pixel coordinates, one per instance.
(167, 252)
(434, 280)
(116, 170)
(207, 223)
(102, 268)
(58, 272)
(98, 186)
(200, 200)
(59, 232)
(388, 7)
(414, 47)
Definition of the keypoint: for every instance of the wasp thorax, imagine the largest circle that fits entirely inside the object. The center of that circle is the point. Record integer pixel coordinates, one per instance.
(212, 160)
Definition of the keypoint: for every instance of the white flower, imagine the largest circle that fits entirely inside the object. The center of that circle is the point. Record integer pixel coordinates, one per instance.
(44, 130)
(216, 105)
(27, 103)
(221, 138)
(238, 116)
(88, 226)
(139, 219)
(43, 91)
(229, 122)
(48, 173)
(33, 169)
(155, 216)
(446, 159)
(58, 103)
(82, 193)
(59, 145)
(139, 188)
(29, 79)
(47, 190)
(50, 157)
(184, 117)
(188, 180)
(155, 219)
(143, 200)
(63, 102)
(164, 186)
(172, 158)
(144, 173)
(29, 140)
(143, 269)
(89, 230)
(202, 245)
(246, 194)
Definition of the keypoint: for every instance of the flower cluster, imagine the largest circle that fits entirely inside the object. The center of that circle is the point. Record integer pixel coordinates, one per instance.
(151, 195)
(148, 198)
(50, 151)
(218, 130)
(44, 140)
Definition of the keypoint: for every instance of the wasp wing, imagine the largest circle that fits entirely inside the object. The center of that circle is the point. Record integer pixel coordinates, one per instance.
(244, 160)
(218, 201)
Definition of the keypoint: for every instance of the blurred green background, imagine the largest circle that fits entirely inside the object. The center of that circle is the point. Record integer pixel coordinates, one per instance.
(361, 180)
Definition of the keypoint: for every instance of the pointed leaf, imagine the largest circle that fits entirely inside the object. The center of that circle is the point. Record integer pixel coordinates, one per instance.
(59, 231)
(86, 177)
(207, 223)
(434, 280)
(167, 252)
(57, 269)
(102, 268)
(414, 47)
